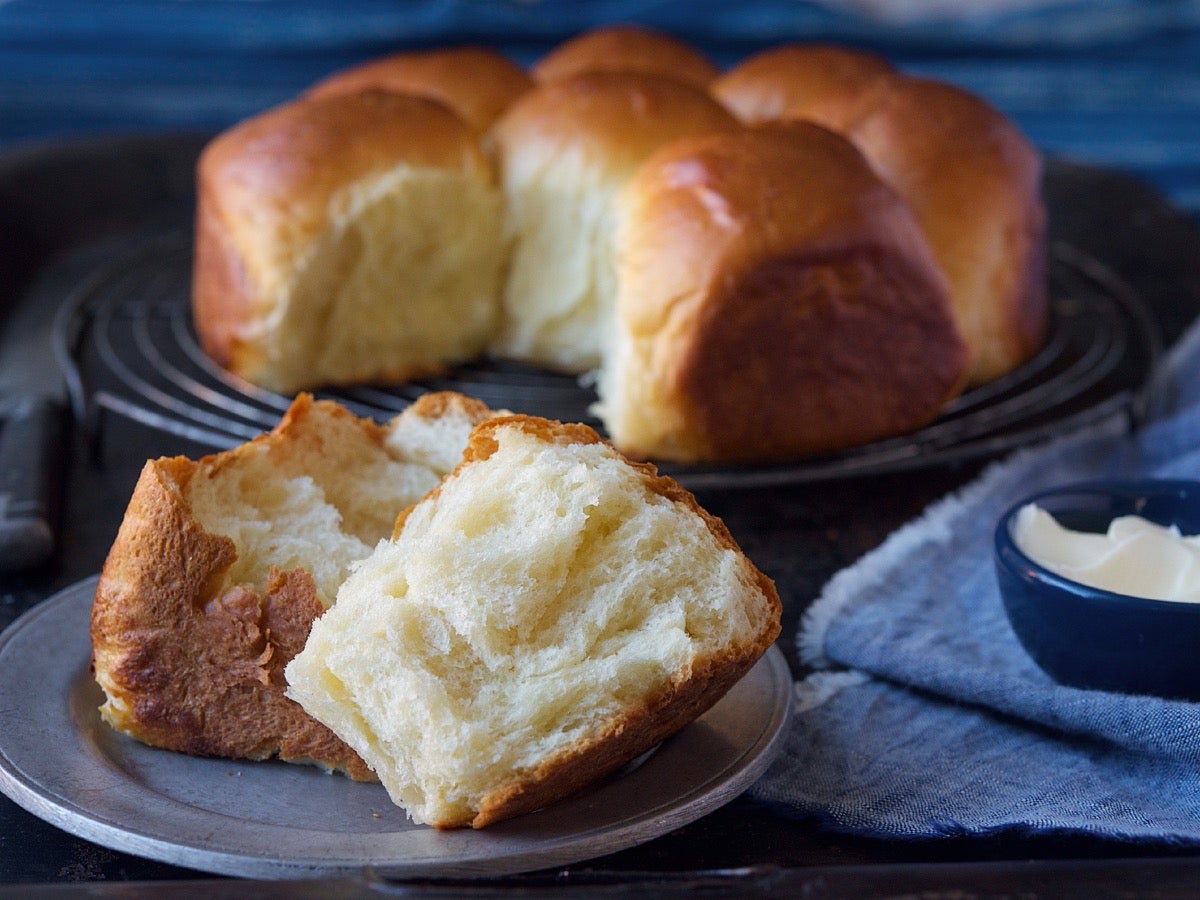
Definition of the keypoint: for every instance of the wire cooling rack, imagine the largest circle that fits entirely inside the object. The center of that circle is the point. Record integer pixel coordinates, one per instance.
(125, 339)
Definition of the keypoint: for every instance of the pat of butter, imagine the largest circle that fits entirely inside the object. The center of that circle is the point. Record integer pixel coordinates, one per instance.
(1134, 557)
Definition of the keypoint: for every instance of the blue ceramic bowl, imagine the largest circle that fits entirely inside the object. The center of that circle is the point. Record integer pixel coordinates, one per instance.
(1086, 637)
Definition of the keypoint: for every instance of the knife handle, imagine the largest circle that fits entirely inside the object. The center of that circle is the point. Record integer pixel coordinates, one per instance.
(32, 456)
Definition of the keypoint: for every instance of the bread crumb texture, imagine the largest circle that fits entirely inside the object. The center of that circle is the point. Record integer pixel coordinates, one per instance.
(409, 270)
(547, 614)
(318, 501)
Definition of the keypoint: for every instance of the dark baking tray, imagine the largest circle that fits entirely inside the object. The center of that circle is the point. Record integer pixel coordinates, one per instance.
(69, 208)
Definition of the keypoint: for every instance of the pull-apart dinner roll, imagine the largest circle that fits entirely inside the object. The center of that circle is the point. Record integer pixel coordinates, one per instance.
(821, 83)
(626, 48)
(971, 178)
(477, 83)
(346, 239)
(548, 614)
(775, 299)
(221, 564)
(564, 149)
(974, 184)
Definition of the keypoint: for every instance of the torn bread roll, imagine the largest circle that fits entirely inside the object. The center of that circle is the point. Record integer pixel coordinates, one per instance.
(220, 566)
(545, 616)
(563, 151)
(346, 239)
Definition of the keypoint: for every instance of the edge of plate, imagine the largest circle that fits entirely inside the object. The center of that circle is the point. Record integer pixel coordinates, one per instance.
(516, 854)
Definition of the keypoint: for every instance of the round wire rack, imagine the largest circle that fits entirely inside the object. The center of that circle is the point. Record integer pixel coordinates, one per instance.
(125, 341)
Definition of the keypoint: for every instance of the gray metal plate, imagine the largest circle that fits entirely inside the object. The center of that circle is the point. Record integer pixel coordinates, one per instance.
(271, 820)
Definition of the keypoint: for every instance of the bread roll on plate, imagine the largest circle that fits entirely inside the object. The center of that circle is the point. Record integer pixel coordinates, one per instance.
(775, 299)
(346, 239)
(477, 83)
(545, 616)
(221, 564)
(564, 149)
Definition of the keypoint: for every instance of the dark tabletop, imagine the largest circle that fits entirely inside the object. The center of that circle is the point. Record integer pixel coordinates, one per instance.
(1118, 102)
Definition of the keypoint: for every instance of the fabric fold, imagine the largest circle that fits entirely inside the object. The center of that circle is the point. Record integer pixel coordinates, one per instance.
(926, 717)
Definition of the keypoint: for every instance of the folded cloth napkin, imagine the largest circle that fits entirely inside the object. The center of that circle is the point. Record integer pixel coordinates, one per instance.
(926, 717)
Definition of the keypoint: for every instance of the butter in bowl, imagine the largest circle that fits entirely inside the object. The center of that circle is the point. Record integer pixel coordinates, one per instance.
(1101, 582)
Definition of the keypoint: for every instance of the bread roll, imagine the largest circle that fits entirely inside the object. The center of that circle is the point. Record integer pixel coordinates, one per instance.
(564, 149)
(775, 299)
(820, 83)
(548, 614)
(346, 239)
(221, 564)
(974, 184)
(477, 83)
(626, 48)
(971, 178)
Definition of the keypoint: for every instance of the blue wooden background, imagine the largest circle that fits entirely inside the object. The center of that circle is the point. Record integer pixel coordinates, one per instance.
(1109, 82)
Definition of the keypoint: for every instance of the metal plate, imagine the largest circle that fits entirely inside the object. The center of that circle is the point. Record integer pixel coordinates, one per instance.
(270, 819)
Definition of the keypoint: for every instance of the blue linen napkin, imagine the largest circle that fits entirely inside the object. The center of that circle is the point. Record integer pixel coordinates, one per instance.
(926, 717)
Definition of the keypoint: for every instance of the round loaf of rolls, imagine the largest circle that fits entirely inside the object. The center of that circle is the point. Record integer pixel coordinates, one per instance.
(367, 235)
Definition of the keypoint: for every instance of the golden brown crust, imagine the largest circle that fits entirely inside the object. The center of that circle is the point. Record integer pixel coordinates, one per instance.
(301, 408)
(438, 404)
(819, 83)
(626, 48)
(621, 741)
(221, 290)
(188, 662)
(618, 118)
(483, 442)
(970, 177)
(801, 311)
(264, 192)
(477, 83)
